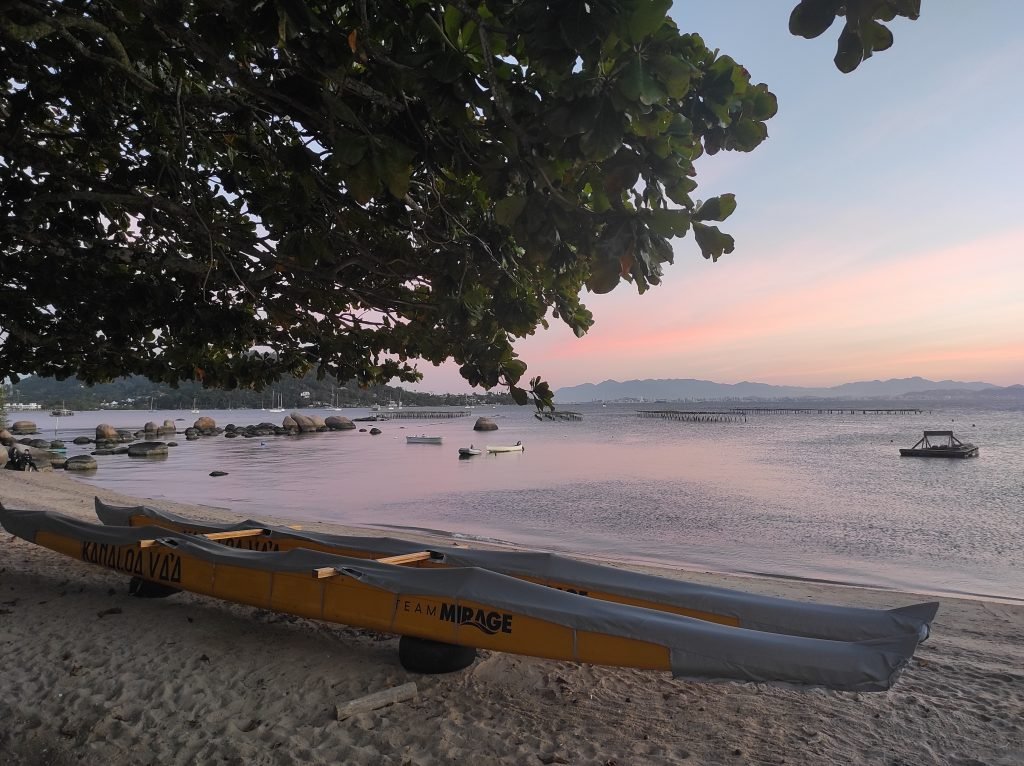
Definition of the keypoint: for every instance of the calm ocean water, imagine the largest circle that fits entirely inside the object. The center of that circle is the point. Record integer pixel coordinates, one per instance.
(803, 496)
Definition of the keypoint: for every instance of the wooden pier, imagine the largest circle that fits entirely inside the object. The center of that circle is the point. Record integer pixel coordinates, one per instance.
(695, 416)
(559, 415)
(825, 411)
(416, 414)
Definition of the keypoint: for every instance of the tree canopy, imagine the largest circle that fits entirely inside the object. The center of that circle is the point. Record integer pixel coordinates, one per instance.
(231, 191)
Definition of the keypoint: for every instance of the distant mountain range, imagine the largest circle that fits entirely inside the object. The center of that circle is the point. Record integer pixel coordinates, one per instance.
(677, 389)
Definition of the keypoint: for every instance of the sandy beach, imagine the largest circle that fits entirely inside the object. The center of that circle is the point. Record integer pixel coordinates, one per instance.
(92, 675)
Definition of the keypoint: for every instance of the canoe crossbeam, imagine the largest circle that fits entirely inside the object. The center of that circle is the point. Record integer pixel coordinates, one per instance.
(214, 536)
(404, 558)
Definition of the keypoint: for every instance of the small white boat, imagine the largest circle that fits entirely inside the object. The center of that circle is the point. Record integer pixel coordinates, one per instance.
(469, 451)
(422, 439)
(517, 447)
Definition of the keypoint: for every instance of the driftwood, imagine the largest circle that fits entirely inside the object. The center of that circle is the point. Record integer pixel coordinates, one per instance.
(377, 700)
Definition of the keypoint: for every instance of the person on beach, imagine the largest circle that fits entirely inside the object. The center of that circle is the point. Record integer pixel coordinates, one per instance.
(22, 460)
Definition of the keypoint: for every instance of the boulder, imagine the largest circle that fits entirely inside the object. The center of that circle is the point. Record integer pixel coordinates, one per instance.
(205, 423)
(39, 443)
(81, 463)
(150, 427)
(318, 422)
(339, 423)
(304, 423)
(218, 473)
(147, 449)
(56, 444)
(81, 440)
(289, 424)
(485, 424)
(22, 427)
(6, 437)
(374, 431)
(106, 433)
(167, 427)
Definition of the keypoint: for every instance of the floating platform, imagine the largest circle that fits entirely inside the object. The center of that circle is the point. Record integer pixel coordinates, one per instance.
(940, 444)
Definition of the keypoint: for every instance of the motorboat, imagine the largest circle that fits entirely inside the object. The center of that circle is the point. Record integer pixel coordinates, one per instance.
(469, 451)
(422, 439)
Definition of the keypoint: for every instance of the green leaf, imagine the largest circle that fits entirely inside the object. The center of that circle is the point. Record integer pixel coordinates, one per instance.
(452, 22)
(675, 73)
(746, 135)
(877, 36)
(604, 275)
(648, 17)
(764, 104)
(670, 223)
(850, 51)
(519, 395)
(515, 369)
(506, 211)
(604, 137)
(362, 181)
(680, 191)
(812, 17)
(717, 208)
(711, 241)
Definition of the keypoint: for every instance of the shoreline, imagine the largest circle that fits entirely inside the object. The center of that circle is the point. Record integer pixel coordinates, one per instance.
(91, 674)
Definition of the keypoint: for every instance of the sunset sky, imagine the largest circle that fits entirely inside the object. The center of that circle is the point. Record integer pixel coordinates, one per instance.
(879, 232)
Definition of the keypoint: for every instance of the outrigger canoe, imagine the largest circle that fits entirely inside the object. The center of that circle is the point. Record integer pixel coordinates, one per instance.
(471, 606)
(720, 605)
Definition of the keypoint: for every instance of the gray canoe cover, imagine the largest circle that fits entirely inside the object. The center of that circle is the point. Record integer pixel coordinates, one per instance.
(767, 613)
(699, 650)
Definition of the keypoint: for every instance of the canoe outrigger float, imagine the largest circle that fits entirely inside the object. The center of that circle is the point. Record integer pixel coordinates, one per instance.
(504, 601)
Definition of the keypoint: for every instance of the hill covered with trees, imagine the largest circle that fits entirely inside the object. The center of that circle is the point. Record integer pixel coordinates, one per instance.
(137, 392)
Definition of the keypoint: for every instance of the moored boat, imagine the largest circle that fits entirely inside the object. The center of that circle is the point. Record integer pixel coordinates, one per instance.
(470, 606)
(469, 451)
(517, 447)
(423, 439)
(940, 444)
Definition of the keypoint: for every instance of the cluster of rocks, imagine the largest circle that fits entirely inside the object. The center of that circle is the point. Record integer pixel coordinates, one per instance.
(149, 441)
(295, 423)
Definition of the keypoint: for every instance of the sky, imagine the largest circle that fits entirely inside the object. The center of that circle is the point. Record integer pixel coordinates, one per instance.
(879, 229)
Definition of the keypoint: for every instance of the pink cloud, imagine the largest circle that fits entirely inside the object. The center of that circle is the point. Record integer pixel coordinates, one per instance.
(803, 313)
